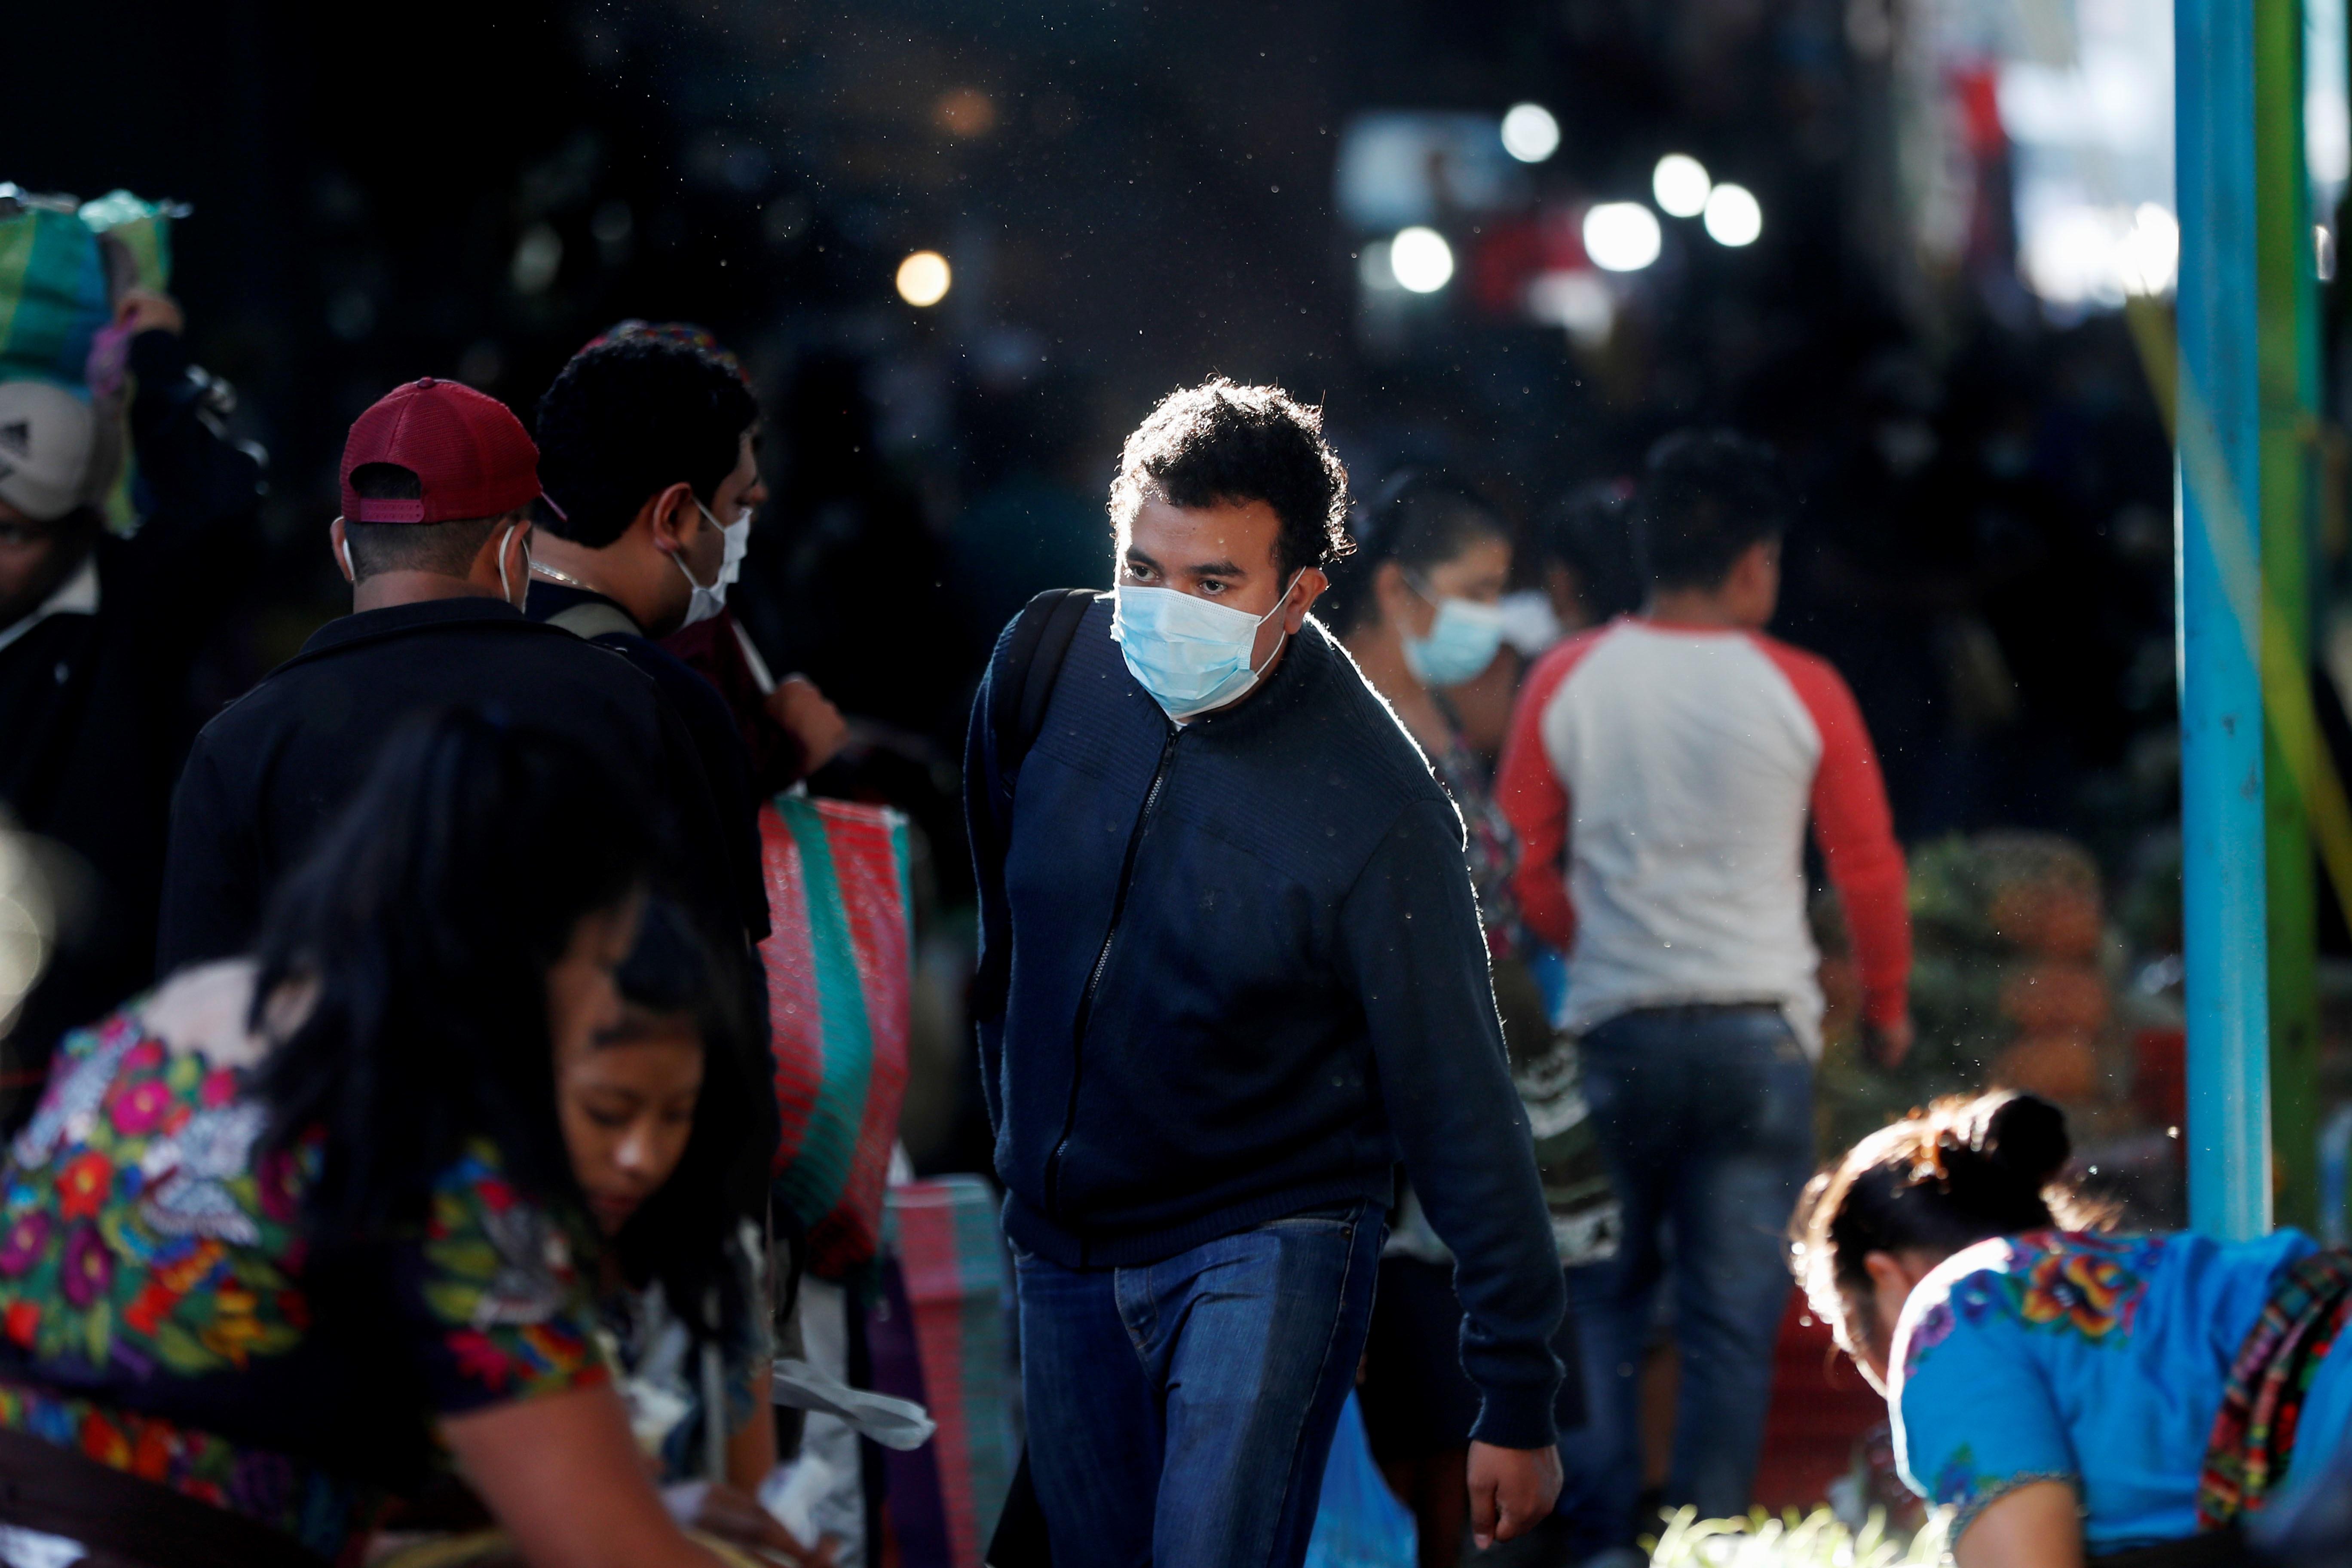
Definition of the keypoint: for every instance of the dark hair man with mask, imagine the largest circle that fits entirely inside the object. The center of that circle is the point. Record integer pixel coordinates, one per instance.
(646, 451)
(98, 634)
(438, 483)
(1232, 969)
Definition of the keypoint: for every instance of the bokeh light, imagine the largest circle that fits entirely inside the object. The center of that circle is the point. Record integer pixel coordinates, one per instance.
(1530, 134)
(1420, 259)
(1680, 184)
(964, 112)
(923, 278)
(1732, 217)
(1621, 237)
(24, 924)
(2150, 256)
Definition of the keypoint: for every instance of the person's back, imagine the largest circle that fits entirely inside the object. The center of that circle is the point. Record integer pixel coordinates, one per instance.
(1691, 758)
(1660, 774)
(2070, 1393)
(267, 774)
(2100, 1357)
(435, 538)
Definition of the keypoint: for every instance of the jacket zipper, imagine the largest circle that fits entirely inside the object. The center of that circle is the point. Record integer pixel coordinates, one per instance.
(1094, 979)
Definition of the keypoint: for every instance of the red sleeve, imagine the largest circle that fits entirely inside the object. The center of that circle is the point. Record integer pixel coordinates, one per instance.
(1534, 799)
(1857, 833)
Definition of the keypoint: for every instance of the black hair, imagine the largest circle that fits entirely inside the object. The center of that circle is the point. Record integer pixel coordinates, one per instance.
(1965, 1170)
(1420, 519)
(1221, 441)
(422, 929)
(449, 548)
(684, 1235)
(629, 418)
(1708, 495)
(1590, 533)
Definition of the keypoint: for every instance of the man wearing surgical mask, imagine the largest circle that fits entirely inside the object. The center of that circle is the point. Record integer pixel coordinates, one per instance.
(436, 540)
(1232, 971)
(647, 450)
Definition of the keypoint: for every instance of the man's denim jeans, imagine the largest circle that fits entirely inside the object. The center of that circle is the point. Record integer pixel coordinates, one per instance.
(1180, 1413)
(1706, 1116)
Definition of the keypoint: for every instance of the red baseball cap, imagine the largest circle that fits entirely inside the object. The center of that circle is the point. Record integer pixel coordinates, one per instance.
(467, 451)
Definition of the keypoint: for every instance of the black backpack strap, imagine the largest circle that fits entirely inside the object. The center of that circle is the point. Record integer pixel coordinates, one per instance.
(1018, 699)
(1020, 688)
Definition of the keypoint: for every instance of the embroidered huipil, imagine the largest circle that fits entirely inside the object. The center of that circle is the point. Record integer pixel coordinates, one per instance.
(159, 1311)
(2095, 1360)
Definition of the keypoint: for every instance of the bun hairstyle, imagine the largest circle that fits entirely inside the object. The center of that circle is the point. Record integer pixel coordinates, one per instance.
(1963, 1170)
(1420, 518)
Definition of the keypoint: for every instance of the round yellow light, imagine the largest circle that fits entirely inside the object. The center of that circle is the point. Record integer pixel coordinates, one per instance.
(923, 278)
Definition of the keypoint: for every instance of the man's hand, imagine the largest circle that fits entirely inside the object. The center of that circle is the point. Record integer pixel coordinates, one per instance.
(1885, 1046)
(144, 310)
(801, 709)
(1511, 1490)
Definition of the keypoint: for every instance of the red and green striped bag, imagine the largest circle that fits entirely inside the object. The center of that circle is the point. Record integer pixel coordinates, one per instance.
(950, 1253)
(840, 968)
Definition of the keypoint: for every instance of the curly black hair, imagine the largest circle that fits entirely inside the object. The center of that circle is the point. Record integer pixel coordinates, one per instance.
(1221, 441)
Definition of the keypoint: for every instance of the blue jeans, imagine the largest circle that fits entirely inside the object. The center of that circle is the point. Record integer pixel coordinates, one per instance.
(1707, 1117)
(1181, 1412)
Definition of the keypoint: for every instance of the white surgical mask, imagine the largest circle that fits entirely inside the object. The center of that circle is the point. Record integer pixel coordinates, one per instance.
(1462, 640)
(735, 542)
(1192, 655)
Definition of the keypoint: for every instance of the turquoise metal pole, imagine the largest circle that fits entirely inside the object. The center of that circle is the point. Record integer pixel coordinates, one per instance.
(2218, 610)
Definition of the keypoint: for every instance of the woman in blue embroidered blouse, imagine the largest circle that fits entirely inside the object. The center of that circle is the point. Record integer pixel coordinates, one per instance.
(2072, 1394)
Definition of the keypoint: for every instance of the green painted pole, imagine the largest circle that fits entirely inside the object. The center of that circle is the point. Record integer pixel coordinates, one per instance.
(2288, 375)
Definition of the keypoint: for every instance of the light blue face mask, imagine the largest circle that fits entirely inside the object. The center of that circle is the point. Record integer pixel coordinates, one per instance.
(1462, 641)
(1190, 653)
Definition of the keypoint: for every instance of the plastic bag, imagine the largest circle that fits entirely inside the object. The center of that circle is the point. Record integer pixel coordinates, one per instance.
(1360, 1523)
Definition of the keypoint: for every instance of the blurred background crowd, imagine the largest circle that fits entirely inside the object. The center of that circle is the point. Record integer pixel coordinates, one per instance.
(1916, 305)
(961, 249)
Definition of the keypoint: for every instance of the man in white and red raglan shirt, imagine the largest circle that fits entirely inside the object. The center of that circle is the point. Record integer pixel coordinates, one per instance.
(1660, 772)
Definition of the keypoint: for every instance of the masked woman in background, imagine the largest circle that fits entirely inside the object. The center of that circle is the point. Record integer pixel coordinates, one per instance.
(279, 1233)
(2077, 1396)
(1417, 605)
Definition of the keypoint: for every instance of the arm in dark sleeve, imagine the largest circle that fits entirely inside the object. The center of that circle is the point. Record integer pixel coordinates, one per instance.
(212, 876)
(202, 491)
(987, 823)
(1419, 960)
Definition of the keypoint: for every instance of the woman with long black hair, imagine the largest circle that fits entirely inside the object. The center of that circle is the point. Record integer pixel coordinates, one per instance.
(281, 1232)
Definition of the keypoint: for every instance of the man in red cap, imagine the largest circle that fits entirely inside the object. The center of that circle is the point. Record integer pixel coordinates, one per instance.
(434, 536)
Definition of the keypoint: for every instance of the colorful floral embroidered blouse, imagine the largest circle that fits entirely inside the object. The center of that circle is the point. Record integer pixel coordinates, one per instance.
(2092, 1358)
(159, 1311)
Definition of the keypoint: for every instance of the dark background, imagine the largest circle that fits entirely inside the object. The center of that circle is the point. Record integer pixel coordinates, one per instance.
(1134, 195)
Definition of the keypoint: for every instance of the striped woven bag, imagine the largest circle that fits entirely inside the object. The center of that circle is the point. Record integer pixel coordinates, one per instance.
(839, 970)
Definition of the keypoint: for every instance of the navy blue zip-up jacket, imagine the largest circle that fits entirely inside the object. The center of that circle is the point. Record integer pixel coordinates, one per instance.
(1246, 974)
